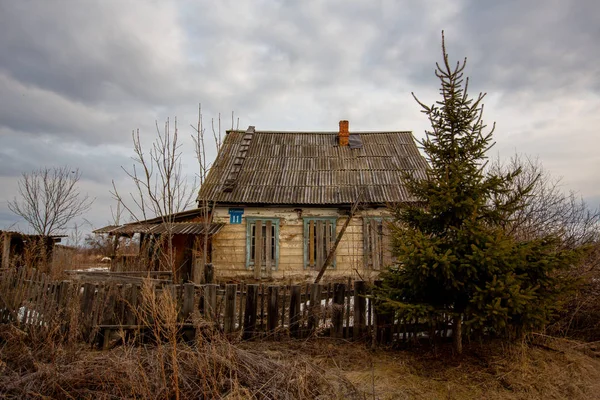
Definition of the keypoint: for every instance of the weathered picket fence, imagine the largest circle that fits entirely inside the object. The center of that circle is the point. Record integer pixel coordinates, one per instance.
(341, 310)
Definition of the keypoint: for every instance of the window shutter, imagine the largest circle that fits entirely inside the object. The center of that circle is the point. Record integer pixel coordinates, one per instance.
(259, 245)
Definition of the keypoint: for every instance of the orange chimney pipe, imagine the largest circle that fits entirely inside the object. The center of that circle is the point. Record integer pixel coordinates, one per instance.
(343, 135)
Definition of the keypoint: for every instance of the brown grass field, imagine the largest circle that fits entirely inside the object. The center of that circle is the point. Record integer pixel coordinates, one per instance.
(213, 367)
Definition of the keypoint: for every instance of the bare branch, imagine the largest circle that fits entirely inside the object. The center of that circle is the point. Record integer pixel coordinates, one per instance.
(50, 199)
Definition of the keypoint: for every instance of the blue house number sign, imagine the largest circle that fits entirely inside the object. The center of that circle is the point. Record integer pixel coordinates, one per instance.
(235, 215)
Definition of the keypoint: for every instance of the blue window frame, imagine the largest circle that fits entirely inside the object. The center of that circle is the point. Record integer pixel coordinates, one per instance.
(319, 236)
(262, 242)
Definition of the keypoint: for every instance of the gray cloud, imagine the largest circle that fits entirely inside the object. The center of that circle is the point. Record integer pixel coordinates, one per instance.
(76, 78)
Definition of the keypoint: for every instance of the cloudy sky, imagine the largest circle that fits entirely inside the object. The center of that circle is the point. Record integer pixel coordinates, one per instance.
(76, 77)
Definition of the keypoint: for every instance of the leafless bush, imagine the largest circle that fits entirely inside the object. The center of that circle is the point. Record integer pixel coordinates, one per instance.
(548, 209)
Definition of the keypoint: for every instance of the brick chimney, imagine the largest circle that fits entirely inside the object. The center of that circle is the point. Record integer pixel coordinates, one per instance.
(343, 134)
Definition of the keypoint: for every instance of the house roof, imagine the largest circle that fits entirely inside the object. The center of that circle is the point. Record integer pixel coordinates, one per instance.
(272, 167)
(182, 223)
(176, 228)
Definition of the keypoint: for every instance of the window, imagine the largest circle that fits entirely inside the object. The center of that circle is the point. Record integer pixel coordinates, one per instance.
(319, 236)
(376, 243)
(262, 242)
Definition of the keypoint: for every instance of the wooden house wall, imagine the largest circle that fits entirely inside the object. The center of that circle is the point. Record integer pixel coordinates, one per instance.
(229, 245)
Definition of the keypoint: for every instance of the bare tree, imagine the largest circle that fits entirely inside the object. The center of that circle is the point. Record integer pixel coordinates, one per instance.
(49, 199)
(162, 188)
(206, 206)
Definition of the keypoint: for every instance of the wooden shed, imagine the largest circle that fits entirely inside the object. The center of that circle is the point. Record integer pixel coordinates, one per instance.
(186, 229)
(283, 198)
(21, 248)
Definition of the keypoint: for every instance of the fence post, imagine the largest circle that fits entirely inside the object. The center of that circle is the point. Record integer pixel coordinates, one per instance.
(360, 308)
(315, 307)
(132, 304)
(272, 310)
(188, 300)
(295, 310)
(229, 318)
(339, 293)
(210, 302)
(250, 311)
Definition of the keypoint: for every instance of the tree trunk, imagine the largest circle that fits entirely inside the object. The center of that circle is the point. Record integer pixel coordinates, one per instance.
(457, 333)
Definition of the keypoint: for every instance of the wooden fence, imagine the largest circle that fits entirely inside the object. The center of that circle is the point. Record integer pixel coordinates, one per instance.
(340, 310)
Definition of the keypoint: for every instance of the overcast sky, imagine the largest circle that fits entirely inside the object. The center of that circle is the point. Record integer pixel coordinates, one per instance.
(76, 77)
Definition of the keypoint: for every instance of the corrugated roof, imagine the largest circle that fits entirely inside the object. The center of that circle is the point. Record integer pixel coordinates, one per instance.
(310, 168)
(178, 228)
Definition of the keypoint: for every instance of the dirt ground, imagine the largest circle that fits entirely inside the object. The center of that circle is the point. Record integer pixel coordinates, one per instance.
(543, 369)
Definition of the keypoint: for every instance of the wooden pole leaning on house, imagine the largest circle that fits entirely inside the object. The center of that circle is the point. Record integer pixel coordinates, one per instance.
(331, 253)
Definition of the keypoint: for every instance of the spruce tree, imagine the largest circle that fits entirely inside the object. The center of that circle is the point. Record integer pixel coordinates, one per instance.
(454, 255)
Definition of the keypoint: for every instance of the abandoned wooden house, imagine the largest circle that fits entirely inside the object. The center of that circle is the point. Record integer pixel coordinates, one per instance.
(20, 248)
(279, 200)
(283, 197)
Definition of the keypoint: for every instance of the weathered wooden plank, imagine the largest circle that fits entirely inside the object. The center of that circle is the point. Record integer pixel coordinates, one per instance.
(386, 246)
(327, 301)
(366, 243)
(328, 241)
(120, 306)
(272, 309)
(34, 295)
(5, 283)
(348, 331)
(210, 302)
(320, 257)
(19, 288)
(295, 291)
(50, 304)
(229, 317)
(250, 311)
(132, 304)
(311, 244)
(86, 299)
(375, 245)
(314, 312)
(305, 291)
(31, 286)
(337, 319)
(241, 309)
(258, 249)
(109, 316)
(360, 291)
(262, 307)
(283, 302)
(268, 255)
(38, 303)
(188, 301)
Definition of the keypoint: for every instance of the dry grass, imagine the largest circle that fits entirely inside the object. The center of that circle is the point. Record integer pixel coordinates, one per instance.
(47, 362)
(546, 368)
(207, 369)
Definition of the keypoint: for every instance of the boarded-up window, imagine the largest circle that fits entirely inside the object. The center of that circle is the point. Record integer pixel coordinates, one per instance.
(376, 243)
(262, 243)
(319, 236)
